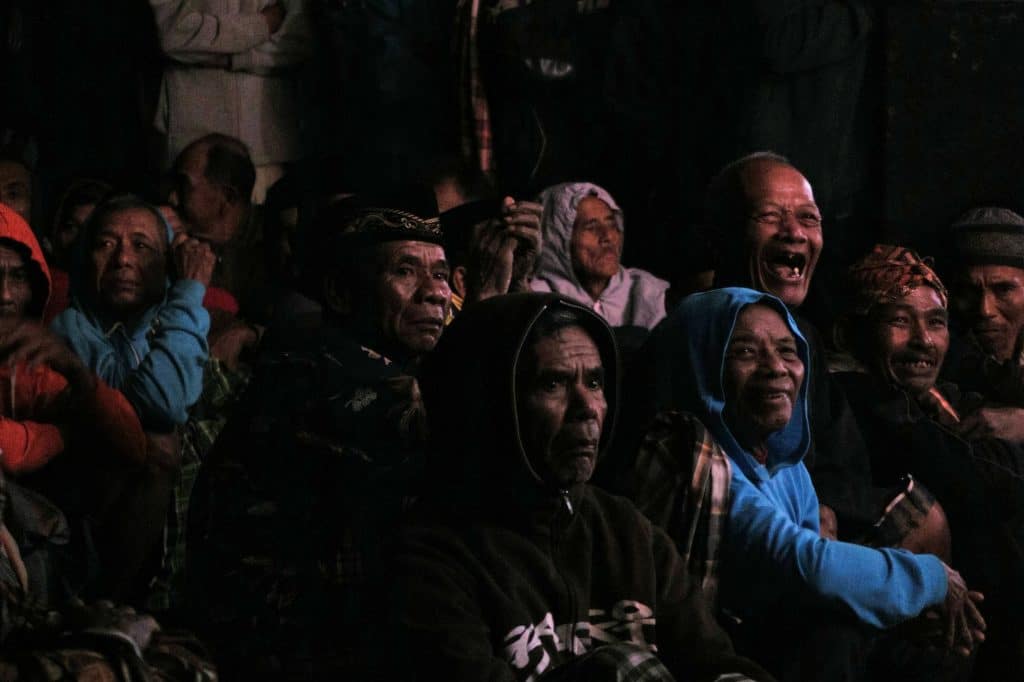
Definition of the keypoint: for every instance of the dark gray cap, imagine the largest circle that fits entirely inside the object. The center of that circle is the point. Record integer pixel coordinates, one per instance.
(989, 235)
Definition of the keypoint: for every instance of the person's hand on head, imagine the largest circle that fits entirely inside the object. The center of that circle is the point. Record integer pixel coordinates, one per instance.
(193, 259)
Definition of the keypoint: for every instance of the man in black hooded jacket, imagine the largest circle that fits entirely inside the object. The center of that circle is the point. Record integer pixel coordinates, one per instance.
(516, 568)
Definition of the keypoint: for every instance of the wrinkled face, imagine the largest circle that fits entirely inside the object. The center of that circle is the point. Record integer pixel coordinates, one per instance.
(15, 287)
(197, 200)
(129, 262)
(562, 406)
(908, 340)
(762, 375)
(411, 295)
(596, 241)
(783, 231)
(991, 300)
(16, 188)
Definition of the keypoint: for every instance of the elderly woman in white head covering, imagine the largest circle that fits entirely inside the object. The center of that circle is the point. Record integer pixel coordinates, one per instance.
(583, 234)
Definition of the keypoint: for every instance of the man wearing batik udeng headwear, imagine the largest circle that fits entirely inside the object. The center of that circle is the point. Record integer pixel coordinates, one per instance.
(806, 607)
(305, 483)
(897, 331)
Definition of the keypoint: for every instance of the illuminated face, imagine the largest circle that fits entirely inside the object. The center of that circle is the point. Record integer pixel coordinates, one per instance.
(412, 296)
(596, 241)
(762, 375)
(562, 407)
(908, 339)
(129, 262)
(991, 300)
(783, 231)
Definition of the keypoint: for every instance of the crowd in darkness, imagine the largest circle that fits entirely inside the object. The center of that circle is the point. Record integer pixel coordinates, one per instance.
(321, 356)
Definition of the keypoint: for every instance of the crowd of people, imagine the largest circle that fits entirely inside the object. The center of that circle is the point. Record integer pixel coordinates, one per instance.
(269, 422)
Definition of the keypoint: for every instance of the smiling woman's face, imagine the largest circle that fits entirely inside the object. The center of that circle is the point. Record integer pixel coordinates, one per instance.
(762, 375)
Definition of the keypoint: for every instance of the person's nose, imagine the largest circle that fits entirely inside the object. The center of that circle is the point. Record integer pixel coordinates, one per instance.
(987, 304)
(608, 235)
(791, 228)
(122, 254)
(6, 289)
(434, 290)
(586, 402)
(920, 335)
(771, 363)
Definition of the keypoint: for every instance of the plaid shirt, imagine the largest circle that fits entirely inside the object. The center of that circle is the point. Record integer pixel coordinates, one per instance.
(683, 481)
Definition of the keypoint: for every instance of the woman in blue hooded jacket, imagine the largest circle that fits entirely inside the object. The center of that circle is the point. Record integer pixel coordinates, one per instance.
(741, 365)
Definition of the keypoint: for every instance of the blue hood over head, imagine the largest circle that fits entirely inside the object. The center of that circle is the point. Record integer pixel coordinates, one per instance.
(697, 335)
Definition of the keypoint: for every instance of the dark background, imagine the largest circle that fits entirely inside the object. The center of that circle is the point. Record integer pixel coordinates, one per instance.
(902, 116)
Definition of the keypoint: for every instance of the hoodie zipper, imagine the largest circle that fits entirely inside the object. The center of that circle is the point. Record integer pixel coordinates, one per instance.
(556, 532)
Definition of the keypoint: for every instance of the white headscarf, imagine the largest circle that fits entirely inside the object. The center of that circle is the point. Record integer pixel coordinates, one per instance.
(633, 297)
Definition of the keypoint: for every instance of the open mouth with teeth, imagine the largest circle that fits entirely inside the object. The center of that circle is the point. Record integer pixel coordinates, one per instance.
(914, 364)
(786, 266)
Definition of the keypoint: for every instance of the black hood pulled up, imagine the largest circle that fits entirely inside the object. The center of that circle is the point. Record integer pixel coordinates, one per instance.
(469, 390)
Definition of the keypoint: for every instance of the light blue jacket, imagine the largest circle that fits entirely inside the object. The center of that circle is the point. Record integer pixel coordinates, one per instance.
(157, 363)
(773, 557)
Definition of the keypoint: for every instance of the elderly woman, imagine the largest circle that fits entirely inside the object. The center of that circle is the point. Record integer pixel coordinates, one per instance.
(582, 235)
(740, 365)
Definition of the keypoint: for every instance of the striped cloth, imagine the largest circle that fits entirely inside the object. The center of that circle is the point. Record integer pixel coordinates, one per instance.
(682, 485)
(474, 114)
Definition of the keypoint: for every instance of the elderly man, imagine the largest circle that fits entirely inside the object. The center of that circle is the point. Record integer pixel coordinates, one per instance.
(897, 330)
(583, 233)
(303, 485)
(988, 302)
(515, 567)
(137, 321)
(212, 181)
(767, 233)
(137, 324)
(810, 607)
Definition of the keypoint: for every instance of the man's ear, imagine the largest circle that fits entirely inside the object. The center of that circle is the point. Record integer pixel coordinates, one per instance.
(459, 280)
(337, 297)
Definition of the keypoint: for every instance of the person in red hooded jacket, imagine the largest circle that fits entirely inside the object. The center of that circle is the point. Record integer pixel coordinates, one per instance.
(46, 392)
